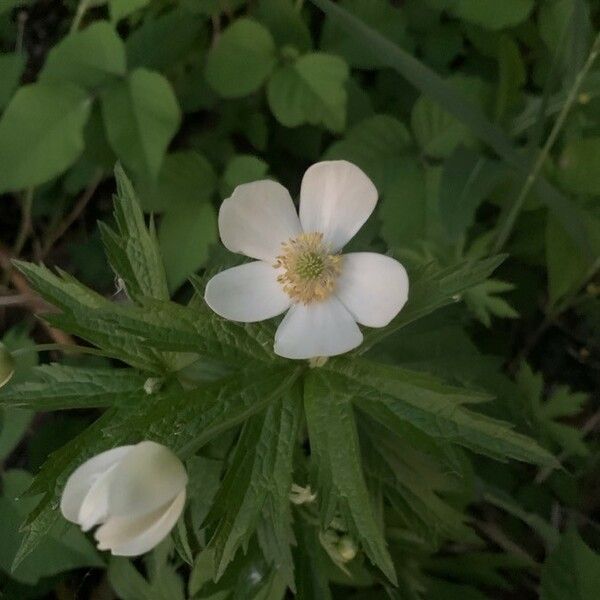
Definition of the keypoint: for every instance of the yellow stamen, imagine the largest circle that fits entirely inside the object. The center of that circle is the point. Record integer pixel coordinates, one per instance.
(309, 269)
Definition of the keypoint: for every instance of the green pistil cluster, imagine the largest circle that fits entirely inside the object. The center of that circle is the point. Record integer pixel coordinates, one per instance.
(310, 266)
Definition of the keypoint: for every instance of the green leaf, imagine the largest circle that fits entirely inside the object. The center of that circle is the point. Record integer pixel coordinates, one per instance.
(336, 454)
(141, 116)
(133, 249)
(242, 168)
(258, 480)
(59, 387)
(41, 133)
(310, 559)
(388, 20)
(285, 23)
(438, 416)
(483, 301)
(186, 178)
(456, 104)
(162, 42)
(512, 76)
(571, 572)
(467, 180)
(242, 59)
(494, 15)
(311, 90)
(119, 9)
(579, 165)
(185, 235)
(63, 547)
(11, 69)
(90, 58)
(376, 144)
(431, 288)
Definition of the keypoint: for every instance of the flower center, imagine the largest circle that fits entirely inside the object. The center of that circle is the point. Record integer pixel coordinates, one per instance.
(309, 269)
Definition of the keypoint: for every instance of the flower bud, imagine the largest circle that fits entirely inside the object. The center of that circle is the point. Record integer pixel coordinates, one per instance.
(301, 495)
(346, 548)
(135, 493)
(7, 365)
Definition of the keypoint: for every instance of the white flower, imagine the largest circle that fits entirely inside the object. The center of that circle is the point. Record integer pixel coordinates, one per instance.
(299, 267)
(136, 493)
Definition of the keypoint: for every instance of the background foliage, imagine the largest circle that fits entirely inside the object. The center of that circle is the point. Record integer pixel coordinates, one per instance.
(434, 448)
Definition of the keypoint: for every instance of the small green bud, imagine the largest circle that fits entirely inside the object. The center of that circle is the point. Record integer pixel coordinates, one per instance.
(7, 365)
(347, 548)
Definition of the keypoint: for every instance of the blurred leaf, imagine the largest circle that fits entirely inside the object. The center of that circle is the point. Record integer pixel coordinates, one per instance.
(41, 133)
(388, 20)
(119, 9)
(11, 69)
(571, 572)
(579, 165)
(285, 23)
(242, 168)
(185, 179)
(90, 58)
(160, 43)
(310, 90)
(512, 77)
(494, 15)
(242, 59)
(185, 235)
(141, 116)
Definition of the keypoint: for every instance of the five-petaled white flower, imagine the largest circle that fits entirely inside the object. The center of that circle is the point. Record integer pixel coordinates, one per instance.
(299, 266)
(136, 493)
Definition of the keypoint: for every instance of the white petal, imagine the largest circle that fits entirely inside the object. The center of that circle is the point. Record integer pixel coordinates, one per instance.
(317, 329)
(247, 293)
(83, 478)
(257, 219)
(149, 476)
(94, 508)
(125, 536)
(373, 287)
(336, 199)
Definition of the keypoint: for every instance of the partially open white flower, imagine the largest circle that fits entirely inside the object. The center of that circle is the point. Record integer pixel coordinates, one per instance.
(300, 266)
(136, 493)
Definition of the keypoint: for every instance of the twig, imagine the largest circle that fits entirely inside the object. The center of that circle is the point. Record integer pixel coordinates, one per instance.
(496, 535)
(25, 227)
(15, 299)
(507, 226)
(79, 207)
(79, 14)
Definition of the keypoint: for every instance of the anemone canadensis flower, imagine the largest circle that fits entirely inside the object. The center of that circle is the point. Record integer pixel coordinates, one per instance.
(135, 493)
(299, 267)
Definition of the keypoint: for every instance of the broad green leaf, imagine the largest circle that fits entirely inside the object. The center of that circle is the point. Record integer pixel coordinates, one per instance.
(141, 116)
(310, 90)
(494, 15)
(285, 23)
(90, 58)
(571, 572)
(132, 249)
(467, 180)
(185, 235)
(181, 420)
(160, 43)
(58, 387)
(119, 9)
(375, 144)
(41, 133)
(186, 178)
(258, 480)
(242, 59)
(336, 454)
(437, 416)
(11, 69)
(63, 548)
(390, 21)
(457, 104)
(579, 165)
(431, 288)
(242, 168)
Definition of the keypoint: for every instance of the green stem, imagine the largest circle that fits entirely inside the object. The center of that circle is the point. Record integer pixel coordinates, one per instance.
(509, 223)
(79, 14)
